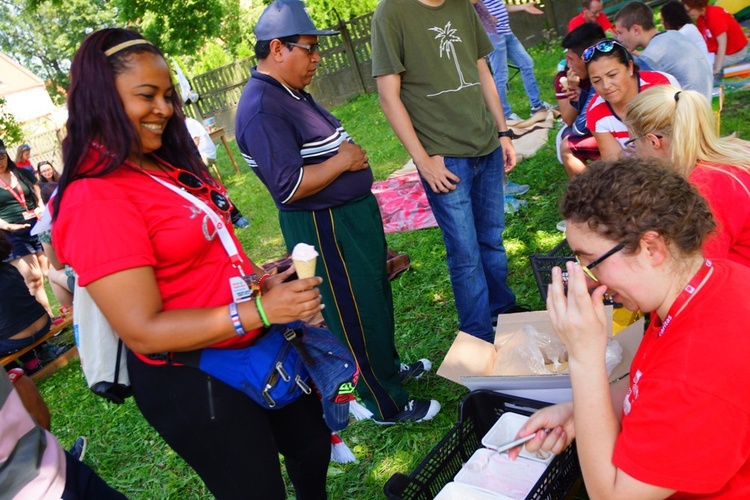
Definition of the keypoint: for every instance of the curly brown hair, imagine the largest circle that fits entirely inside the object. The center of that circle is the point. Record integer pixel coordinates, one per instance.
(621, 200)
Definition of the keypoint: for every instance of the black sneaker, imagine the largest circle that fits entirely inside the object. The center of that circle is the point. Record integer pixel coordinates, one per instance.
(47, 353)
(414, 371)
(416, 410)
(79, 448)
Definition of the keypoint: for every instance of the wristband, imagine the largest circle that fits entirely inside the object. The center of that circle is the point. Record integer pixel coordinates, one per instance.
(261, 312)
(506, 133)
(235, 315)
(15, 373)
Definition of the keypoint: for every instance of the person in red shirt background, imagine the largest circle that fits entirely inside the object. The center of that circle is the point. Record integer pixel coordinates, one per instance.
(591, 12)
(679, 127)
(723, 34)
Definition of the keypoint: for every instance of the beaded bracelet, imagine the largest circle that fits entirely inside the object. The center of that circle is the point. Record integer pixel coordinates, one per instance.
(261, 312)
(262, 279)
(235, 315)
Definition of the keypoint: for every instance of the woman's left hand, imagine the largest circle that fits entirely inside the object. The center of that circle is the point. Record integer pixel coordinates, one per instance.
(578, 318)
(276, 279)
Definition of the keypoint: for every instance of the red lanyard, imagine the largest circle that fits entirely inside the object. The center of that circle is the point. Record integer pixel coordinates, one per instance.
(19, 196)
(686, 294)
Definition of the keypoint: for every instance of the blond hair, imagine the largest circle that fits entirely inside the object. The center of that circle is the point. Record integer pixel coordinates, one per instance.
(685, 116)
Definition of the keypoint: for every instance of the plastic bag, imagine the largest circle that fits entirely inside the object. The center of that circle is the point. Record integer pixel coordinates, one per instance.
(544, 353)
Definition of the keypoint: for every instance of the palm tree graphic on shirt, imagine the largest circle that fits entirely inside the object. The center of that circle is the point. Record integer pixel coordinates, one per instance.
(448, 38)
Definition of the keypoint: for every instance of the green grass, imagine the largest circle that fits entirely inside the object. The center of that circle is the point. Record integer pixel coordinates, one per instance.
(127, 453)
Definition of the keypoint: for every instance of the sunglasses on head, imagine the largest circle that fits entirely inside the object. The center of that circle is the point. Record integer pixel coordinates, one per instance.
(605, 47)
(193, 183)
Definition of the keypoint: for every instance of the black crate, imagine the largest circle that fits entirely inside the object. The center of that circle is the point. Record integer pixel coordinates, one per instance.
(542, 265)
(478, 413)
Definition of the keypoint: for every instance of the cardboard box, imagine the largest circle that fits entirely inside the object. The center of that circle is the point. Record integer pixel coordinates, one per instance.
(470, 360)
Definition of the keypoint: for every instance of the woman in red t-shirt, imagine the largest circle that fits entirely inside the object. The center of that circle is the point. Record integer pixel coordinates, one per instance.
(680, 128)
(163, 270)
(677, 427)
(723, 34)
(617, 80)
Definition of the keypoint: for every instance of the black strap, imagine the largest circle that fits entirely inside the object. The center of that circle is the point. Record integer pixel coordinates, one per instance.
(295, 337)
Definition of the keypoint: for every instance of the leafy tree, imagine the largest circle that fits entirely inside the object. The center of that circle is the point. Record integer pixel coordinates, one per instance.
(44, 39)
(327, 12)
(10, 130)
(177, 26)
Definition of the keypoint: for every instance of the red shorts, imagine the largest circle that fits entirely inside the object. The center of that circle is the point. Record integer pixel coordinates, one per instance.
(584, 147)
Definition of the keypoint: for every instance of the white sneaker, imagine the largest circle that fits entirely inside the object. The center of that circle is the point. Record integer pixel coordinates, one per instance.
(416, 410)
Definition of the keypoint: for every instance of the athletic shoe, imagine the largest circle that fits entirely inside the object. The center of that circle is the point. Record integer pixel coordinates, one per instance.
(416, 410)
(48, 353)
(513, 189)
(544, 106)
(414, 371)
(513, 118)
(562, 225)
(31, 367)
(79, 448)
(513, 205)
(241, 222)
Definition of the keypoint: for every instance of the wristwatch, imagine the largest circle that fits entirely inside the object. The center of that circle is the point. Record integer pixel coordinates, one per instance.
(506, 133)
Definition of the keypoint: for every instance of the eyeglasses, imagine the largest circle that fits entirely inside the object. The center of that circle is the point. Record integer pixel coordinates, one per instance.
(587, 269)
(605, 47)
(595, 13)
(311, 49)
(193, 183)
(630, 144)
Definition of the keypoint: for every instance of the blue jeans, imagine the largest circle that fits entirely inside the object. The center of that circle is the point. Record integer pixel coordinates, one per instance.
(509, 47)
(472, 220)
(9, 346)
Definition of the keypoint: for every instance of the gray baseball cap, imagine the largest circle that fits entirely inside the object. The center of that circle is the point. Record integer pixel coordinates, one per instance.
(286, 18)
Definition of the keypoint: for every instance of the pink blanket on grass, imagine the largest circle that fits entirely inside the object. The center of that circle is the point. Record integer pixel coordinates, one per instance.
(403, 204)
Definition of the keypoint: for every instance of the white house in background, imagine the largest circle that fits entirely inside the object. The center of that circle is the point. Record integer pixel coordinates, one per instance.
(25, 94)
(28, 101)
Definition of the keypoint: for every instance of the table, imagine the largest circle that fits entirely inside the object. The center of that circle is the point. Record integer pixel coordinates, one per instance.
(220, 134)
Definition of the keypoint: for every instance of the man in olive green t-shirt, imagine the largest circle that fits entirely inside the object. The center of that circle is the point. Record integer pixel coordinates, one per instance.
(439, 97)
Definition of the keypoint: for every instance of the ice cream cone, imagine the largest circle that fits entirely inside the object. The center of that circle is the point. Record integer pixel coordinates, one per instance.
(304, 257)
(305, 268)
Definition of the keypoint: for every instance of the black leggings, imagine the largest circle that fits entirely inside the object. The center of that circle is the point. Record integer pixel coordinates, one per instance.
(230, 441)
(82, 483)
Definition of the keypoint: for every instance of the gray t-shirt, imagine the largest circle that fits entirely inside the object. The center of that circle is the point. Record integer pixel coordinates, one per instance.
(435, 50)
(674, 53)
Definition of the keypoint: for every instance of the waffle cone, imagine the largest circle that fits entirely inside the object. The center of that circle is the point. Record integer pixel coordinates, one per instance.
(305, 268)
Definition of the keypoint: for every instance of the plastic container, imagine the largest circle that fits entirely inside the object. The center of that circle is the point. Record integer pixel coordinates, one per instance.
(505, 430)
(497, 474)
(459, 491)
(542, 264)
(479, 411)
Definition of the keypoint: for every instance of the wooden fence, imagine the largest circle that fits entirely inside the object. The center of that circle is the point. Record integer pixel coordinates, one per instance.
(345, 70)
